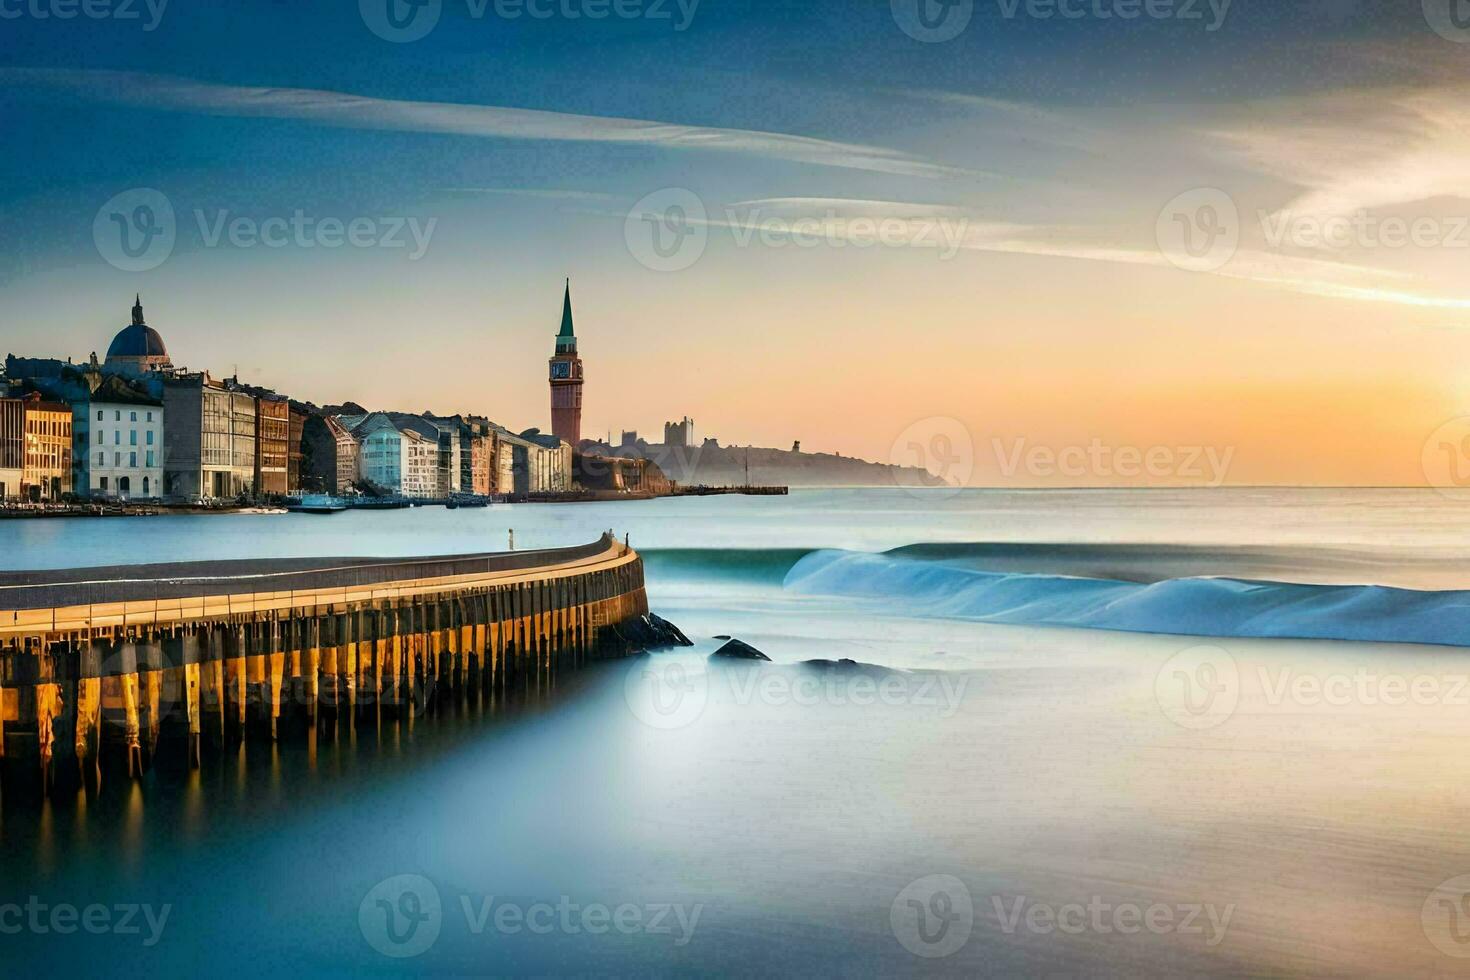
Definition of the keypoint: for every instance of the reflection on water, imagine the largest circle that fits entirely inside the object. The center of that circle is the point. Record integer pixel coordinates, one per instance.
(1314, 808)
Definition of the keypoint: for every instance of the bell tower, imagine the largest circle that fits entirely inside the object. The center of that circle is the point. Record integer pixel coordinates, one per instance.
(566, 379)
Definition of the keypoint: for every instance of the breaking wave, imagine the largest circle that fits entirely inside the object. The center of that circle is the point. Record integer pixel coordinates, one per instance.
(930, 581)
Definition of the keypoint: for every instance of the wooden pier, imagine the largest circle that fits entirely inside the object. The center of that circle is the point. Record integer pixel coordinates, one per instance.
(123, 668)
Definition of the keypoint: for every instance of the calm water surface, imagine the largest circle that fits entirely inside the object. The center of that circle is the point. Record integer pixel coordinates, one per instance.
(984, 784)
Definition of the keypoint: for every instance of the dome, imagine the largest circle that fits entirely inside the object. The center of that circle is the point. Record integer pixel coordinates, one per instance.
(137, 340)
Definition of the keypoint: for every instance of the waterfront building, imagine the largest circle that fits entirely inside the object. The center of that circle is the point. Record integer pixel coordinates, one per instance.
(482, 452)
(12, 447)
(380, 452)
(137, 349)
(566, 378)
(329, 455)
(679, 434)
(47, 473)
(502, 466)
(117, 442)
(294, 450)
(208, 439)
(272, 442)
(423, 474)
(539, 463)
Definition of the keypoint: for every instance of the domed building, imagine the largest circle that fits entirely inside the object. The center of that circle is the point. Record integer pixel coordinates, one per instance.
(137, 348)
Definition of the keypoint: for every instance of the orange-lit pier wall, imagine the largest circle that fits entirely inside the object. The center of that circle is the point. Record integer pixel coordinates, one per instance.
(128, 685)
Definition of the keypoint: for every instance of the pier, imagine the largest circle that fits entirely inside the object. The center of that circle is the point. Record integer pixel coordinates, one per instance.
(124, 668)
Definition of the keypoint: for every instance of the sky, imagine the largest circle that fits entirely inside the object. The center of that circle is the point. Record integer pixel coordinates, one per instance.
(1022, 242)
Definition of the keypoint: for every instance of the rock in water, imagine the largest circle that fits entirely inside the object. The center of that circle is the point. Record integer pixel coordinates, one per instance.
(651, 633)
(736, 650)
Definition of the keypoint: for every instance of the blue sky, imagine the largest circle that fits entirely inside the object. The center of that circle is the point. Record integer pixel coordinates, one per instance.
(517, 148)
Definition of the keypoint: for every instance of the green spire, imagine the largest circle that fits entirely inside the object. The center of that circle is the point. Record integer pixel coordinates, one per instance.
(566, 340)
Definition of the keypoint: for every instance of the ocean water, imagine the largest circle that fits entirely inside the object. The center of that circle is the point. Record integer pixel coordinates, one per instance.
(1102, 733)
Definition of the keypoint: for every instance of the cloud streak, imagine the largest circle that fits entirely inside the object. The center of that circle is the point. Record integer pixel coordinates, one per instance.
(345, 110)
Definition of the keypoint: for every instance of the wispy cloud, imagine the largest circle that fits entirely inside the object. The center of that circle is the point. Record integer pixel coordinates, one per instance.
(484, 121)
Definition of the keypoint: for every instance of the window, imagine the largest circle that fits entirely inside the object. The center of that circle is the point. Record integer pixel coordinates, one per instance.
(134, 416)
(133, 460)
(132, 437)
(150, 459)
(150, 437)
(150, 416)
(117, 437)
(104, 483)
(102, 461)
(117, 416)
(99, 415)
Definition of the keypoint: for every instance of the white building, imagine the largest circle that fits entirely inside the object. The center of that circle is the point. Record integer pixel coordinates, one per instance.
(420, 464)
(398, 455)
(380, 459)
(117, 443)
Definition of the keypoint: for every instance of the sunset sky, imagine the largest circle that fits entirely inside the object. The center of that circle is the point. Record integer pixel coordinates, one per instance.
(1029, 178)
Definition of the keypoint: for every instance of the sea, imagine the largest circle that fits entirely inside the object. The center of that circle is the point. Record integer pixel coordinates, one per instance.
(1045, 733)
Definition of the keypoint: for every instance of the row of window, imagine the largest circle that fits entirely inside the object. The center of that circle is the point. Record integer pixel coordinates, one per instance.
(117, 437)
(117, 415)
(132, 459)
